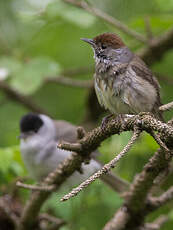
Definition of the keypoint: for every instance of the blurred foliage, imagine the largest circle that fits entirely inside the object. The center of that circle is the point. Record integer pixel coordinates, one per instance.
(42, 38)
(10, 164)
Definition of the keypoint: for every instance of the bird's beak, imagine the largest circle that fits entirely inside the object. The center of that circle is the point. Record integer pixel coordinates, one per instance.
(90, 41)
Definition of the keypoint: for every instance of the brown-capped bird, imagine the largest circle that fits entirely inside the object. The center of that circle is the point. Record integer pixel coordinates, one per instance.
(123, 82)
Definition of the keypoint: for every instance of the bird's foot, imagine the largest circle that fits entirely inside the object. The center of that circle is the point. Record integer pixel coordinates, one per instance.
(106, 119)
(145, 113)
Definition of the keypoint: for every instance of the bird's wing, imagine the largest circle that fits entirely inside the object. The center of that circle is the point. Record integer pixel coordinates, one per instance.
(144, 72)
(65, 131)
(141, 90)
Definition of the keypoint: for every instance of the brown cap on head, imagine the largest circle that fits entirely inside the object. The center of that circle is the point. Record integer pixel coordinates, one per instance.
(109, 39)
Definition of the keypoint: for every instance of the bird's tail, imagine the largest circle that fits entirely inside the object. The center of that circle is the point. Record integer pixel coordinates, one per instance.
(116, 183)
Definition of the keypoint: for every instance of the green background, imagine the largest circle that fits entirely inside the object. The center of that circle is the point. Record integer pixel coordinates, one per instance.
(40, 39)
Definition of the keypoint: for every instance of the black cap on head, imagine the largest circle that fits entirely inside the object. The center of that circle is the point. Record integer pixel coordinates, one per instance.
(30, 122)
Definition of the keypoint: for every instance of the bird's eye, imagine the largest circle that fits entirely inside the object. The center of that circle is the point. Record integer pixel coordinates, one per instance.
(103, 46)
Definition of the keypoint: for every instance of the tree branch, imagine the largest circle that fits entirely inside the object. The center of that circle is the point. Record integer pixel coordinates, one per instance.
(107, 18)
(93, 139)
(156, 202)
(32, 208)
(88, 144)
(36, 187)
(160, 142)
(70, 82)
(158, 47)
(156, 225)
(7, 214)
(166, 106)
(148, 28)
(106, 168)
(72, 72)
(20, 98)
(131, 215)
(56, 222)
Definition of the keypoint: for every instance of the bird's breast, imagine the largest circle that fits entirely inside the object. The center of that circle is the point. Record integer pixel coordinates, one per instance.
(105, 83)
(105, 93)
(109, 90)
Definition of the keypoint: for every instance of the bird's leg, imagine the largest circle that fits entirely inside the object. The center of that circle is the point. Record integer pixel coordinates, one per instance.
(106, 119)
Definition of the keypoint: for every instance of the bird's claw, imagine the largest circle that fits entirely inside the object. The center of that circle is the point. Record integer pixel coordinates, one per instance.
(105, 120)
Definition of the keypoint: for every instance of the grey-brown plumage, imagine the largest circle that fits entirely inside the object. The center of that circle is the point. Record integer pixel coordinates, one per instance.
(123, 82)
(39, 138)
(65, 131)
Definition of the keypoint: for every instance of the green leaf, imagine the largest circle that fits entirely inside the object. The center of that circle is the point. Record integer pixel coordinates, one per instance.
(11, 164)
(30, 77)
(6, 158)
(70, 14)
(168, 6)
(11, 64)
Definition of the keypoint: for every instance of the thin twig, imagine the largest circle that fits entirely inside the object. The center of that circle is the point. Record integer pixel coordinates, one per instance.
(70, 82)
(76, 147)
(78, 71)
(156, 225)
(36, 187)
(50, 218)
(160, 142)
(158, 47)
(157, 202)
(109, 19)
(166, 106)
(20, 98)
(148, 28)
(159, 180)
(106, 168)
(56, 222)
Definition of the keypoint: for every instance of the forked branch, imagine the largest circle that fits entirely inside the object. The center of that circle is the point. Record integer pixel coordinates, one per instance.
(106, 168)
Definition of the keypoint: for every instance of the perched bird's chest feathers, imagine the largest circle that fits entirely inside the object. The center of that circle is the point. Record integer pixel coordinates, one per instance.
(36, 153)
(31, 145)
(109, 84)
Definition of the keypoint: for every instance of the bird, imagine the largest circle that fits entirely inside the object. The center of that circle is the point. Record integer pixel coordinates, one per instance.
(39, 137)
(123, 82)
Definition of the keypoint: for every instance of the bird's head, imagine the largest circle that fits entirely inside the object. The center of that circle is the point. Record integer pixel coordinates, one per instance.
(32, 125)
(104, 44)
